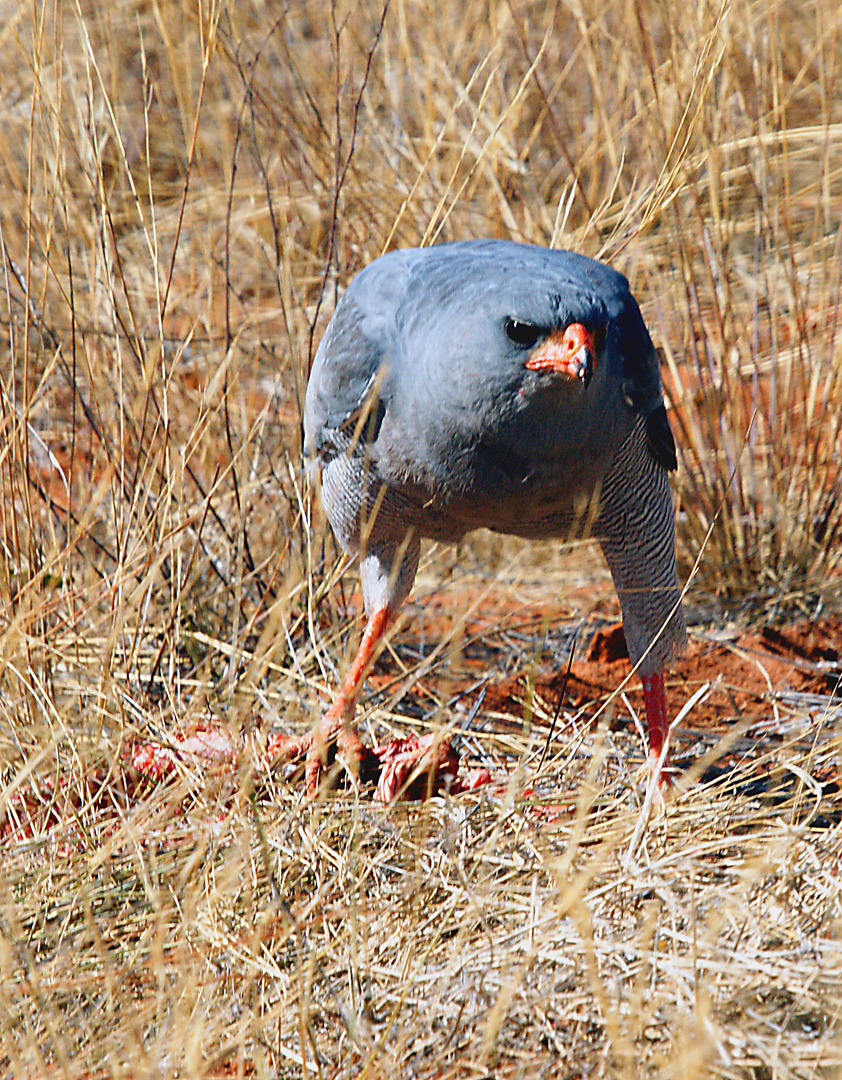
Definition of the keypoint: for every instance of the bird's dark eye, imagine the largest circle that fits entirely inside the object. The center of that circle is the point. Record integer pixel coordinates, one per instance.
(523, 333)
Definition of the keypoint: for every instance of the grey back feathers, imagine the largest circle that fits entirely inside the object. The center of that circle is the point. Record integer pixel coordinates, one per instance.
(427, 423)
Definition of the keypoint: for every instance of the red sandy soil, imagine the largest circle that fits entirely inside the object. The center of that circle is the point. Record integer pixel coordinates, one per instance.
(773, 683)
(747, 671)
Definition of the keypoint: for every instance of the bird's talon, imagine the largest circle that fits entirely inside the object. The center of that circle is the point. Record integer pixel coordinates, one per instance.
(333, 748)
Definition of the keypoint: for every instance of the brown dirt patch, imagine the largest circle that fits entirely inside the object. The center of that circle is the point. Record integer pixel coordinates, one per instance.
(772, 682)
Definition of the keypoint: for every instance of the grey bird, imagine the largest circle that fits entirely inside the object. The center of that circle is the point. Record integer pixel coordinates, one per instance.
(499, 385)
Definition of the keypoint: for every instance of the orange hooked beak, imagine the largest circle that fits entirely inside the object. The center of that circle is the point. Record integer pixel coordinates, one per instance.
(568, 352)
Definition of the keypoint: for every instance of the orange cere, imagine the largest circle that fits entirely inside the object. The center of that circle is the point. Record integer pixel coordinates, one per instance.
(569, 352)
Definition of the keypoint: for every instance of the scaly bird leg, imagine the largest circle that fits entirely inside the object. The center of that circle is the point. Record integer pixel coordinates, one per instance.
(654, 694)
(337, 724)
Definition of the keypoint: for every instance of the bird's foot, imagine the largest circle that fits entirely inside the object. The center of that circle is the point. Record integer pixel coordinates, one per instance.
(319, 746)
(333, 735)
(654, 693)
(660, 774)
(413, 767)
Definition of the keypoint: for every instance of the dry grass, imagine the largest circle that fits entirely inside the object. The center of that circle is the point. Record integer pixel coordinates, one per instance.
(184, 191)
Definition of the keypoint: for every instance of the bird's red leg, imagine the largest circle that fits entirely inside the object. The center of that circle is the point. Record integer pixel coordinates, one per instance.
(337, 722)
(655, 697)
